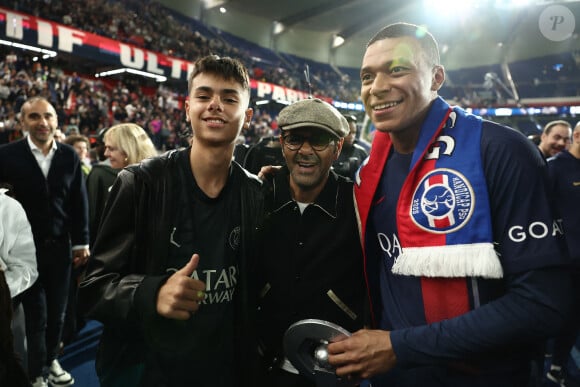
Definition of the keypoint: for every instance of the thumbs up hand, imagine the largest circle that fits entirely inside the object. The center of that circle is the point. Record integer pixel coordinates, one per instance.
(181, 295)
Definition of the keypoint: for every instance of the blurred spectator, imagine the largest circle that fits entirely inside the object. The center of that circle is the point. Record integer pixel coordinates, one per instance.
(555, 138)
(352, 154)
(81, 144)
(59, 136)
(99, 183)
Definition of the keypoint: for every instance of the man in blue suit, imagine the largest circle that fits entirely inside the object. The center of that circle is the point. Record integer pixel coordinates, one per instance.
(48, 182)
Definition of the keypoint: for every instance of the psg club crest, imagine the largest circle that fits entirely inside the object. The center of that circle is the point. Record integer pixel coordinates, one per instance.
(443, 201)
(234, 238)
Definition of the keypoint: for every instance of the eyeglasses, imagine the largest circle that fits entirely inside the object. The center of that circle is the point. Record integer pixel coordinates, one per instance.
(318, 141)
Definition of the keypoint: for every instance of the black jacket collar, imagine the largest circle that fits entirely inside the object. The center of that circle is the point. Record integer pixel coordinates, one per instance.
(326, 200)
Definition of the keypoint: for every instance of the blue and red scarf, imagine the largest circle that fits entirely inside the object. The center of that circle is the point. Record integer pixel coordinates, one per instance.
(443, 212)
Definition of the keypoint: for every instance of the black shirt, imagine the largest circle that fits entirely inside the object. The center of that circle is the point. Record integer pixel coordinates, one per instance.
(209, 227)
(307, 255)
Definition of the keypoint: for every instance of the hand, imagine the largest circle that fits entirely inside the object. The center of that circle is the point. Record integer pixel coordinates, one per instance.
(268, 171)
(181, 295)
(365, 354)
(80, 257)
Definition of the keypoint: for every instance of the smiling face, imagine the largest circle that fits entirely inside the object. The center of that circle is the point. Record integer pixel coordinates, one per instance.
(309, 167)
(39, 119)
(398, 84)
(556, 140)
(217, 109)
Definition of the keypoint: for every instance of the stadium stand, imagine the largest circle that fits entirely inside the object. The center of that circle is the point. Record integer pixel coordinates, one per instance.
(91, 104)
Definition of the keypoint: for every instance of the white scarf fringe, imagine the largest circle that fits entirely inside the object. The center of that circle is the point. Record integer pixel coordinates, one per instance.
(452, 261)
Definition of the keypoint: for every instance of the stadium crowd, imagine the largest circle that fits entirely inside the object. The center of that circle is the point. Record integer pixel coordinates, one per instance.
(86, 104)
(149, 25)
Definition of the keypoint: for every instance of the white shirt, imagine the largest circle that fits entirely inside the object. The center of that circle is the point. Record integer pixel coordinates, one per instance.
(17, 251)
(42, 160)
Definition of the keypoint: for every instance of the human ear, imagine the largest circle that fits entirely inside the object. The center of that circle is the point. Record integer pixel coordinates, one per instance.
(338, 148)
(187, 119)
(438, 77)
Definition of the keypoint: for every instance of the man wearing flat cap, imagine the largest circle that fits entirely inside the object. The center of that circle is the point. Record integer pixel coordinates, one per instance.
(311, 262)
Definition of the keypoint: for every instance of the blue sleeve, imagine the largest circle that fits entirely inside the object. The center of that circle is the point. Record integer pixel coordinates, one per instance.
(564, 171)
(533, 308)
(526, 233)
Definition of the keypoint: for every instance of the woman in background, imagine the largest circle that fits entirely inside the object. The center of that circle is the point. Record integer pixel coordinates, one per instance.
(125, 144)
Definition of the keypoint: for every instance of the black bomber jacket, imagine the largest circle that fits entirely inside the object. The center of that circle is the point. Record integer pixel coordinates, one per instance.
(128, 263)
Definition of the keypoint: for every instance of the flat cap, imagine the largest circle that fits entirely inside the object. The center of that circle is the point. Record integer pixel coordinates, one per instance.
(316, 113)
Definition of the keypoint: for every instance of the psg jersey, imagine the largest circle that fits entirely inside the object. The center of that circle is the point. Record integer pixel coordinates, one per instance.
(525, 235)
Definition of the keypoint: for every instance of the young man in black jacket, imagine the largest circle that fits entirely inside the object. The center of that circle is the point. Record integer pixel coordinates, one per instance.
(170, 275)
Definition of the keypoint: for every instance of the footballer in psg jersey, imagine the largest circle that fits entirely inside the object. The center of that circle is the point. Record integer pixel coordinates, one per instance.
(463, 256)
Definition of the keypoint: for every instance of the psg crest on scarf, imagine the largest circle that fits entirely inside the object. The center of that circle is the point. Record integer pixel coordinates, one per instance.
(443, 201)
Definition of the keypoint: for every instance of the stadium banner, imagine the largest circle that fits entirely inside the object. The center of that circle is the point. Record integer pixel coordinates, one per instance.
(26, 29)
(270, 91)
(20, 28)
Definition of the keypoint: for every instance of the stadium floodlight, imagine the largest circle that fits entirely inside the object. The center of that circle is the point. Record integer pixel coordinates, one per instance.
(337, 41)
(278, 27)
(209, 4)
(157, 77)
(47, 53)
